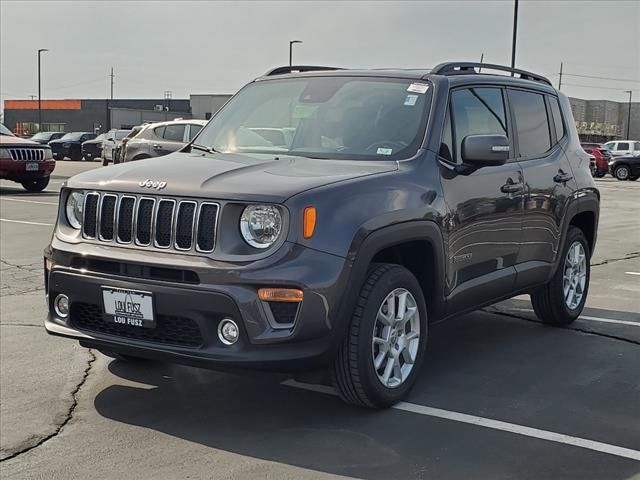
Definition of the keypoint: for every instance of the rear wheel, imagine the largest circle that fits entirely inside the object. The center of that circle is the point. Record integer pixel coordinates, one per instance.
(36, 185)
(561, 301)
(384, 346)
(621, 172)
(105, 162)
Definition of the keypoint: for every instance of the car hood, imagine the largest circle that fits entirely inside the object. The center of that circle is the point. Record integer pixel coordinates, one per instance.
(60, 141)
(226, 176)
(7, 141)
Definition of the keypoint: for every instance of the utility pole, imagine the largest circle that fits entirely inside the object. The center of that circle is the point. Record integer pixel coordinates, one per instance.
(560, 81)
(40, 50)
(629, 115)
(291, 50)
(515, 33)
(111, 83)
(32, 97)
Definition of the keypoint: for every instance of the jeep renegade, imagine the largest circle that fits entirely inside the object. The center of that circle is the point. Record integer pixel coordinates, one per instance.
(324, 218)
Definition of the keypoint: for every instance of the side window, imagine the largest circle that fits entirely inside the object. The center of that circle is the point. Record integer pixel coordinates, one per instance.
(477, 111)
(636, 146)
(446, 145)
(557, 117)
(174, 133)
(159, 131)
(622, 146)
(532, 123)
(194, 131)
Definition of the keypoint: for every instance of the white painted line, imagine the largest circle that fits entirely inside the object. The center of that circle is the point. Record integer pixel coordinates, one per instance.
(592, 319)
(26, 223)
(493, 424)
(632, 273)
(27, 201)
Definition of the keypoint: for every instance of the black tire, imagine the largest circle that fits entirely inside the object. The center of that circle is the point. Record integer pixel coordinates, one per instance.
(548, 301)
(122, 357)
(58, 157)
(36, 185)
(622, 172)
(599, 174)
(76, 156)
(105, 162)
(634, 178)
(354, 375)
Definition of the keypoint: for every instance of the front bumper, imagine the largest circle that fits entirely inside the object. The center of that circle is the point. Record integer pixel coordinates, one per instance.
(188, 312)
(17, 170)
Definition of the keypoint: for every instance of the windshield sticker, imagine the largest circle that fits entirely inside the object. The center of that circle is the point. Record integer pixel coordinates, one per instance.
(411, 100)
(384, 151)
(418, 88)
(304, 111)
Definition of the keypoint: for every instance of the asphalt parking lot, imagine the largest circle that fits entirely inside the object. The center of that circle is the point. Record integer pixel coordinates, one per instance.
(501, 396)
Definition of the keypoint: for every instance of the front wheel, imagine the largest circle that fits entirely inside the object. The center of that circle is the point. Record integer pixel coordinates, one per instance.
(561, 301)
(621, 172)
(383, 349)
(36, 185)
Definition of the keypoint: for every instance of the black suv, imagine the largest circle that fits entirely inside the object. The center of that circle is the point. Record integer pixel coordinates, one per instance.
(70, 145)
(324, 219)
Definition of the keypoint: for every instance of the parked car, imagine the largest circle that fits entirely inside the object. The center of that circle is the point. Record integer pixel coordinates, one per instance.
(93, 148)
(120, 151)
(601, 157)
(619, 148)
(25, 161)
(110, 143)
(625, 168)
(404, 198)
(70, 145)
(45, 137)
(158, 139)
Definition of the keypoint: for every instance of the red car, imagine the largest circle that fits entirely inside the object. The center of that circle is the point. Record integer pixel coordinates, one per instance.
(25, 161)
(602, 157)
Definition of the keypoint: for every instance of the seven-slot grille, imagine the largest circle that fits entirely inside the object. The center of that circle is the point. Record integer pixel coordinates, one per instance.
(27, 154)
(157, 222)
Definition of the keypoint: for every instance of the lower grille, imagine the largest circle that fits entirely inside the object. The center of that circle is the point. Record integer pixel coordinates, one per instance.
(284, 313)
(169, 330)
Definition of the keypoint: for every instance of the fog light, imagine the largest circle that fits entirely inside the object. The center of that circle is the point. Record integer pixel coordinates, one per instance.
(228, 331)
(61, 306)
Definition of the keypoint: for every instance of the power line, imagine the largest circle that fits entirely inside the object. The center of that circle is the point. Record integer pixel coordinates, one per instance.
(602, 78)
(592, 86)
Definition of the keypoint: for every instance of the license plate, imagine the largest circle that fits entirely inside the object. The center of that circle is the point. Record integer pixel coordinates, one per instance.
(31, 167)
(128, 307)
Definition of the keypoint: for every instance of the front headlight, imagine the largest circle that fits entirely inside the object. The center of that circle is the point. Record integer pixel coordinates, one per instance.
(4, 153)
(75, 202)
(47, 154)
(261, 225)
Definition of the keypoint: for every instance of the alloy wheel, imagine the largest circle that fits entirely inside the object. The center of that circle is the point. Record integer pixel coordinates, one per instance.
(574, 279)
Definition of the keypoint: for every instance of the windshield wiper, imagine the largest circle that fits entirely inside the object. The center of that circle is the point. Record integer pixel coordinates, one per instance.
(203, 148)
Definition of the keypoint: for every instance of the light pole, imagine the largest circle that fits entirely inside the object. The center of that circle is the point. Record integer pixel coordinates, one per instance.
(629, 114)
(40, 90)
(515, 33)
(291, 50)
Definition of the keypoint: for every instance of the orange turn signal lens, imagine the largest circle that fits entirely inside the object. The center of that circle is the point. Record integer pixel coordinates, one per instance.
(309, 224)
(280, 295)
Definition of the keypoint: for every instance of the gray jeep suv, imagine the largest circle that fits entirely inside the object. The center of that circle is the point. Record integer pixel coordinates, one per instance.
(391, 199)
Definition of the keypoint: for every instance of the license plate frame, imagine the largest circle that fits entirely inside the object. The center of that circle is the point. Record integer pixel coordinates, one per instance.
(32, 166)
(132, 308)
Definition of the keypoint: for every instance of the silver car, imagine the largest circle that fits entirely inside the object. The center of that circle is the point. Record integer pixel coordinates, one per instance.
(110, 143)
(158, 139)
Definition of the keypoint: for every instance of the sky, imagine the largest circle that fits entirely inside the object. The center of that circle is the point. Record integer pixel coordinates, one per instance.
(216, 47)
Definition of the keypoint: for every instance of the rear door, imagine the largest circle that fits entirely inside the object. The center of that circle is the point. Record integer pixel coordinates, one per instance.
(485, 204)
(548, 180)
(172, 139)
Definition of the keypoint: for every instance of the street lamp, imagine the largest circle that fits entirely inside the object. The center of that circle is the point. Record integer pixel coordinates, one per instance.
(40, 91)
(628, 114)
(291, 50)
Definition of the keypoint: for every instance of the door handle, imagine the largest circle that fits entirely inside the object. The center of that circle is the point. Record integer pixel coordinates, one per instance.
(562, 177)
(511, 187)
(156, 146)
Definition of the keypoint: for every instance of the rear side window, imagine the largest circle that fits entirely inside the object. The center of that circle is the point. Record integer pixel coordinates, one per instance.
(194, 131)
(532, 123)
(476, 111)
(159, 131)
(622, 146)
(557, 117)
(636, 145)
(174, 133)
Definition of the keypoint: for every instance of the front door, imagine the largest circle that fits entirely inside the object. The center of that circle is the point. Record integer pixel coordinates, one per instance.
(485, 205)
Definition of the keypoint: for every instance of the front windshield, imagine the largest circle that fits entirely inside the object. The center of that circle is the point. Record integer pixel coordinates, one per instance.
(41, 136)
(323, 117)
(72, 136)
(5, 131)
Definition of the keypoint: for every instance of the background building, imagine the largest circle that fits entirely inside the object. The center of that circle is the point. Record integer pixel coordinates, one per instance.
(604, 120)
(205, 105)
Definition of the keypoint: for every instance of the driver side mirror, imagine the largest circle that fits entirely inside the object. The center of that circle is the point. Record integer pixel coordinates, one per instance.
(485, 150)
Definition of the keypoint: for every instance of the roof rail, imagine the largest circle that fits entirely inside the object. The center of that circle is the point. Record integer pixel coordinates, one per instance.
(298, 68)
(466, 68)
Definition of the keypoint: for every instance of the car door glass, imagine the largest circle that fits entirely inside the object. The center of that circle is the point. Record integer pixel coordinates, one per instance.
(532, 123)
(622, 146)
(194, 129)
(557, 117)
(159, 131)
(477, 111)
(174, 133)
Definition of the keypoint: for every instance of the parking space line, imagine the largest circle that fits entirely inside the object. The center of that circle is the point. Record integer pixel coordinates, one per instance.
(493, 424)
(632, 273)
(27, 201)
(590, 318)
(27, 223)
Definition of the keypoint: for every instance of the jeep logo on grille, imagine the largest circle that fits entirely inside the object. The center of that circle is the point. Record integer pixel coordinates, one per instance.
(148, 183)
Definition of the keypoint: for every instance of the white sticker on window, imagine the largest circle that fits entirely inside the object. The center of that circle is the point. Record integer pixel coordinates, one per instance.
(418, 88)
(384, 151)
(411, 100)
